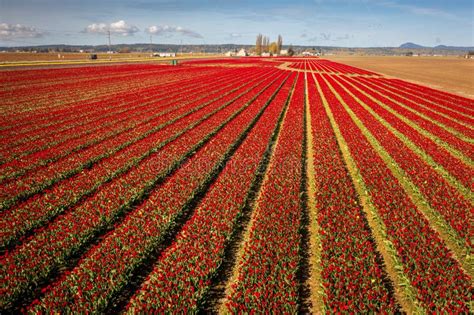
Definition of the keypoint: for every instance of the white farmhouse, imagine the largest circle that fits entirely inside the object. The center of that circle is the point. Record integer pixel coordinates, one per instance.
(164, 54)
(242, 53)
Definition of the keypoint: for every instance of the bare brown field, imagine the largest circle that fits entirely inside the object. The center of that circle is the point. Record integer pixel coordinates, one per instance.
(11, 61)
(25, 56)
(20, 56)
(451, 74)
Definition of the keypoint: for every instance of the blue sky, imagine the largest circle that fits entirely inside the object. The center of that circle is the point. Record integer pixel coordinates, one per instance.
(358, 23)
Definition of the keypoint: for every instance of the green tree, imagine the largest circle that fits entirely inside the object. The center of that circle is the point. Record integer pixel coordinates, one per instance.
(258, 44)
(273, 48)
(291, 51)
(265, 44)
(279, 43)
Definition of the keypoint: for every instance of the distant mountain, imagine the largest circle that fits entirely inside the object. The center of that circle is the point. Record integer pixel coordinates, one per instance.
(411, 46)
(439, 47)
(444, 47)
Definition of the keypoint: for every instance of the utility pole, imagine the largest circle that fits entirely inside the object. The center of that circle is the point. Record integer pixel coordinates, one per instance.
(108, 35)
(151, 43)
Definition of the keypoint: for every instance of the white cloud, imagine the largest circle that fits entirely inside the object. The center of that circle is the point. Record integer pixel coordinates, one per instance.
(119, 27)
(100, 28)
(235, 35)
(167, 30)
(13, 31)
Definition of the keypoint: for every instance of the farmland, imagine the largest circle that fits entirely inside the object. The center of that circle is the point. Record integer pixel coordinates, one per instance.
(440, 72)
(48, 60)
(234, 186)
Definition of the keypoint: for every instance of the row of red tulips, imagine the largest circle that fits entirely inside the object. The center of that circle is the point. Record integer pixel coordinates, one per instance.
(36, 136)
(450, 120)
(51, 246)
(136, 110)
(297, 65)
(183, 274)
(121, 252)
(21, 77)
(39, 209)
(270, 62)
(352, 274)
(448, 109)
(66, 144)
(67, 115)
(183, 169)
(53, 95)
(54, 110)
(41, 82)
(91, 104)
(321, 67)
(439, 154)
(437, 132)
(268, 268)
(440, 282)
(457, 102)
(447, 201)
(324, 65)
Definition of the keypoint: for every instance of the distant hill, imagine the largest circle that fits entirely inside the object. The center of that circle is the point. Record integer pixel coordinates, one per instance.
(410, 45)
(454, 48)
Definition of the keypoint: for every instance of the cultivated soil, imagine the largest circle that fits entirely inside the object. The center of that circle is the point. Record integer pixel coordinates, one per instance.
(25, 56)
(24, 60)
(451, 74)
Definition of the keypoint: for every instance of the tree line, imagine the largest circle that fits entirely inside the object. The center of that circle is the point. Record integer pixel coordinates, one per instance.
(263, 45)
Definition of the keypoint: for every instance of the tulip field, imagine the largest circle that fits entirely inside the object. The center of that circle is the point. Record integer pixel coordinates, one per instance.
(234, 185)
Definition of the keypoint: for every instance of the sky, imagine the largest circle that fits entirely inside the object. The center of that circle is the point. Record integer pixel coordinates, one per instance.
(347, 23)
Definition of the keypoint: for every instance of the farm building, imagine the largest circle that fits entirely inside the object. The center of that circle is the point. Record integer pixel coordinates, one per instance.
(242, 53)
(164, 54)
